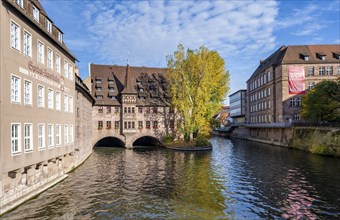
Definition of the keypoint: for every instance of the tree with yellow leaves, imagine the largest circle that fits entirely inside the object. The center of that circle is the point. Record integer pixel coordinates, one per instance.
(197, 82)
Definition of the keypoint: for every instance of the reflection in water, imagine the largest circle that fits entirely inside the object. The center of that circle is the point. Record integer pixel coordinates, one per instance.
(237, 180)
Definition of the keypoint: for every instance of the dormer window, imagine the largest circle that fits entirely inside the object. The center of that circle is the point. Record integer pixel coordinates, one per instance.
(304, 56)
(48, 26)
(60, 37)
(20, 3)
(35, 14)
(321, 56)
(337, 55)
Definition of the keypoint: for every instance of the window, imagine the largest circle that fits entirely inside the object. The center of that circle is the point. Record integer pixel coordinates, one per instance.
(155, 125)
(70, 103)
(321, 71)
(15, 138)
(50, 99)
(99, 97)
(41, 136)
(268, 91)
(108, 109)
(15, 89)
(155, 110)
(28, 92)
(292, 101)
(50, 136)
(116, 124)
(298, 101)
(66, 103)
(264, 79)
(35, 14)
(70, 69)
(148, 124)
(66, 134)
(268, 76)
(98, 88)
(15, 36)
(57, 63)
(100, 109)
(140, 124)
(20, 3)
(133, 125)
(71, 133)
(65, 69)
(49, 58)
(310, 71)
(338, 70)
(57, 101)
(27, 44)
(40, 52)
(116, 109)
(98, 80)
(268, 103)
(60, 37)
(58, 135)
(41, 96)
(310, 85)
(100, 125)
(296, 117)
(48, 26)
(140, 110)
(108, 125)
(329, 71)
(28, 146)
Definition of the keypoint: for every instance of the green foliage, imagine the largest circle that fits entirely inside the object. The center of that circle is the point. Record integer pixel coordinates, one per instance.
(167, 139)
(202, 141)
(198, 82)
(323, 102)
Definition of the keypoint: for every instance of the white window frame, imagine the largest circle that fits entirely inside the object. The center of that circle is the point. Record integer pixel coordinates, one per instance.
(66, 109)
(42, 104)
(50, 99)
(70, 106)
(50, 135)
(36, 13)
(57, 100)
(66, 141)
(60, 37)
(57, 63)
(49, 58)
(20, 3)
(329, 71)
(70, 71)
(15, 32)
(15, 89)
(27, 92)
(58, 135)
(16, 139)
(28, 137)
(48, 25)
(71, 136)
(27, 44)
(65, 69)
(41, 136)
(338, 70)
(40, 52)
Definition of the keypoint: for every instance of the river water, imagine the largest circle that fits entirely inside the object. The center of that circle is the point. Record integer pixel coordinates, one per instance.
(236, 180)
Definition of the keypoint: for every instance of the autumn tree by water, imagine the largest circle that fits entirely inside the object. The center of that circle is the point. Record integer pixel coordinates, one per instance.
(198, 82)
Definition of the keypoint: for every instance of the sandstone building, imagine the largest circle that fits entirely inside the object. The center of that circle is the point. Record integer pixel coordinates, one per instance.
(276, 87)
(131, 104)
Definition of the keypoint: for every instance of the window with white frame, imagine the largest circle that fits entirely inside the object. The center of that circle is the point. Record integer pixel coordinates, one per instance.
(50, 135)
(41, 136)
(50, 99)
(298, 101)
(57, 63)
(70, 99)
(28, 92)
(310, 85)
(296, 117)
(65, 134)
(27, 44)
(321, 71)
(28, 137)
(15, 89)
(48, 26)
(40, 52)
(70, 69)
(292, 102)
(58, 135)
(49, 58)
(338, 70)
(268, 103)
(41, 96)
(57, 101)
(311, 71)
(329, 71)
(268, 76)
(65, 69)
(15, 138)
(71, 133)
(66, 103)
(35, 13)
(20, 3)
(264, 79)
(268, 91)
(15, 36)
(60, 37)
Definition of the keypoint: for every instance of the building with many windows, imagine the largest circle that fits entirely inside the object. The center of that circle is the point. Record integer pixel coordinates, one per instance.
(36, 101)
(238, 105)
(131, 104)
(276, 87)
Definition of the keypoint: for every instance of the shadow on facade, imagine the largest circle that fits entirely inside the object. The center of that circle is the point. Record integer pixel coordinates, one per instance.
(110, 142)
(147, 141)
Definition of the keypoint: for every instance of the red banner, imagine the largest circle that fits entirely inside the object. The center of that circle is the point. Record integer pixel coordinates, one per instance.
(296, 79)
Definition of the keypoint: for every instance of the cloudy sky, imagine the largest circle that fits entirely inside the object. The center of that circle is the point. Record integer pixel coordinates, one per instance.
(242, 31)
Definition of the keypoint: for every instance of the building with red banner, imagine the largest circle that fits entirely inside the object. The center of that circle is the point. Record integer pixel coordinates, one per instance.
(276, 87)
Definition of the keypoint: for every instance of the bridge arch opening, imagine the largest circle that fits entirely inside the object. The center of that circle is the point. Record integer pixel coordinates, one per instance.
(147, 141)
(110, 142)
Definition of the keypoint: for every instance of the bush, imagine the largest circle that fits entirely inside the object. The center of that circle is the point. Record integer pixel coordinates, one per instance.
(167, 139)
(202, 141)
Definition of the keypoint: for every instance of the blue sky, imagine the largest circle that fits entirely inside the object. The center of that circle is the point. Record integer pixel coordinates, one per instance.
(243, 32)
